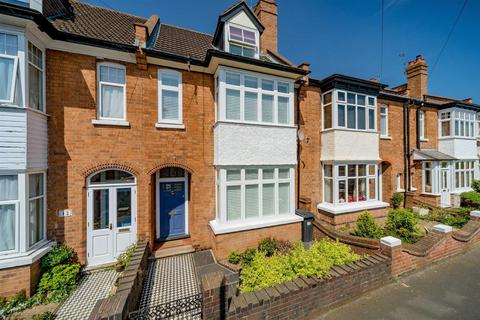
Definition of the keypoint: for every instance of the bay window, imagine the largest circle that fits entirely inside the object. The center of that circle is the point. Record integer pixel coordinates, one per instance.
(464, 174)
(457, 123)
(9, 65)
(250, 193)
(9, 202)
(445, 124)
(350, 183)
(242, 41)
(36, 204)
(170, 97)
(343, 109)
(35, 77)
(254, 98)
(111, 91)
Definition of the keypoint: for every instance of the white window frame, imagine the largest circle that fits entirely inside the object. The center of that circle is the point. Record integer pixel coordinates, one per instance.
(222, 184)
(223, 86)
(99, 89)
(42, 71)
(336, 178)
(421, 124)
(457, 168)
(169, 122)
(17, 216)
(384, 114)
(458, 119)
(433, 179)
(335, 102)
(16, 62)
(398, 182)
(242, 44)
(44, 213)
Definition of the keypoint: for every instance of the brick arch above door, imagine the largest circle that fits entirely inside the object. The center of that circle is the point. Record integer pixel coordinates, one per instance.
(169, 165)
(125, 166)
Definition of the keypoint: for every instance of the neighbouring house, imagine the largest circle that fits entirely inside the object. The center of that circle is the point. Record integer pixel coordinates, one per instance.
(364, 141)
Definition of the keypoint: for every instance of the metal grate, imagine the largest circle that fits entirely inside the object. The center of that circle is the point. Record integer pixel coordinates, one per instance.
(185, 308)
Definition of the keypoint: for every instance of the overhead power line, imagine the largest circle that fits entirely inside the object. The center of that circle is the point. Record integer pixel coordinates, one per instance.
(449, 35)
(381, 38)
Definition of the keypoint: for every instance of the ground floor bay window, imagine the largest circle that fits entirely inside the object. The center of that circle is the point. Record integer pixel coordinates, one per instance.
(251, 197)
(350, 186)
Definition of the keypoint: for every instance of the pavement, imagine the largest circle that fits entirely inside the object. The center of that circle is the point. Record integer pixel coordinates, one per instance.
(449, 289)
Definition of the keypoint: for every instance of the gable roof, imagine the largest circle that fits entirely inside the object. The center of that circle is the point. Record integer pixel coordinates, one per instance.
(231, 12)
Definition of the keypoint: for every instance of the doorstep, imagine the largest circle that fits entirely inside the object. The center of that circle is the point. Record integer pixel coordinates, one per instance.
(172, 251)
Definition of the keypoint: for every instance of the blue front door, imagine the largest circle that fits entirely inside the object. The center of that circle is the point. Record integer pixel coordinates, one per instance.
(172, 209)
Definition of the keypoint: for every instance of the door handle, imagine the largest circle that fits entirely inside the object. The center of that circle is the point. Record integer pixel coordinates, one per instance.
(110, 226)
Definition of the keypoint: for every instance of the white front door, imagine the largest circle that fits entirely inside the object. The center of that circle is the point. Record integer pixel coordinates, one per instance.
(445, 187)
(111, 222)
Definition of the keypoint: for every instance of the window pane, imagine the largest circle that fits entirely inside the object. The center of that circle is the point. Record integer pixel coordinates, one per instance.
(251, 201)
(8, 44)
(233, 203)
(267, 108)
(283, 173)
(341, 171)
(251, 82)
(428, 181)
(35, 88)
(170, 105)
(340, 96)
(351, 98)
(233, 78)
(233, 104)
(112, 102)
(283, 114)
(249, 36)
(328, 170)
(383, 125)
(283, 87)
(268, 173)
(327, 116)
(235, 49)
(268, 199)
(112, 74)
(236, 33)
(8, 188)
(361, 118)
(170, 79)
(361, 100)
(248, 52)
(7, 226)
(445, 128)
(36, 221)
(35, 185)
(101, 217)
(124, 207)
(6, 78)
(371, 170)
(171, 172)
(371, 189)
(267, 85)
(284, 198)
(371, 101)
(327, 98)
(251, 174)
(351, 119)
(352, 190)
(362, 170)
(352, 170)
(251, 106)
(342, 191)
(112, 176)
(371, 119)
(341, 115)
(328, 190)
(233, 175)
(362, 189)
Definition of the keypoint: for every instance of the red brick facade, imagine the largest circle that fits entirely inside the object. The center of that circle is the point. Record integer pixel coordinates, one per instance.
(17, 279)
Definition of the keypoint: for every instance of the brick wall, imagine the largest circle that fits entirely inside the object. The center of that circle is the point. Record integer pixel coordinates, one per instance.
(17, 279)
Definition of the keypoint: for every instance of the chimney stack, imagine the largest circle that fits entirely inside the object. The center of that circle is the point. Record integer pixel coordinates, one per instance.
(417, 77)
(266, 11)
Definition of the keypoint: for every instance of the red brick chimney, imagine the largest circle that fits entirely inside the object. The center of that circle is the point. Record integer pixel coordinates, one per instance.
(417, 78)
(266, 11)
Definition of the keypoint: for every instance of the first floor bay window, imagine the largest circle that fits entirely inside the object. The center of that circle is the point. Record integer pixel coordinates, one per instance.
(9, 200)
(250, 193)
(350, 183)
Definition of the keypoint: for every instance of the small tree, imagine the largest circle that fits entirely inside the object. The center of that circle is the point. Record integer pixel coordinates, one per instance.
(367, 227)
(396, 200)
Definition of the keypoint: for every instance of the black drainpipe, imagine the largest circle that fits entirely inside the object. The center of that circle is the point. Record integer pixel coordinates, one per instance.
(418, 127)
(407, 178)
(405, 149)
(302, 82)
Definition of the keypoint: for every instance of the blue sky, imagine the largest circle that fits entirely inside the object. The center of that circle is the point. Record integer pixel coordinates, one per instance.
(343, 36)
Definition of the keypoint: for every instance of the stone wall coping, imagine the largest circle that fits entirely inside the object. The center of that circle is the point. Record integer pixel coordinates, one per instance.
(442, 228)
(475, 213)
(390, 241)
(346, 238)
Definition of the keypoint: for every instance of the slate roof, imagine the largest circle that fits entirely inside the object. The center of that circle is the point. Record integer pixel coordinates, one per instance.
(432, 154)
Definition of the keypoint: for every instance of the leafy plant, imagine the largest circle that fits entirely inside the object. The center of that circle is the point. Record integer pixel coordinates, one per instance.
(124, 258)
(269, 246)
(17, 303)
(367, 227)
(44, 316)
(455, 217)
(234, 257)
(402, 223)
(476, 186)
(60, 254)
(57, 283)
(247, 256)
(396, 200)
(470, 199)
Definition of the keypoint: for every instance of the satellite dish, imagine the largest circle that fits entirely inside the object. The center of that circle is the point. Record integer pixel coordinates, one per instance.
(300, 135)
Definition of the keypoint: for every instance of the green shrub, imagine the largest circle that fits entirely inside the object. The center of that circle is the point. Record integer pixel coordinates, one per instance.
(60, 254)
(247, 256)
(57, 283)
(367, 227)
(124, 258)
(234, 257)
(396, 200)
(44, 316)
(17, 303)
(316, 261)
(269, 246)
(476, 186)
(470, 199)
(455, 217)
(402, 223)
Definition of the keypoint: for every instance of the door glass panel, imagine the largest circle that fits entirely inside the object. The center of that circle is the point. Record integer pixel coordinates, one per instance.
(101, 218)
(124, 207)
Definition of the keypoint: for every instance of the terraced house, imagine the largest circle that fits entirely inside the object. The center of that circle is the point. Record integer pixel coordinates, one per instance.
(116, 128)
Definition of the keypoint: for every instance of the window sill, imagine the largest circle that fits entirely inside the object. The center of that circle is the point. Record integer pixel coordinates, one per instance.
(161, 125)
(385, 138)
(351, 130)
(260, 124)
(119, 123)
(25, 258)
(43, 113)
(423, 140)
(430, 194)
(400, 190)
(351, 207)
(230, 227)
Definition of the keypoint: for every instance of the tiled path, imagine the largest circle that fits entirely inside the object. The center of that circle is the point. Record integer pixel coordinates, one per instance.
(170, 279)
(92, 287)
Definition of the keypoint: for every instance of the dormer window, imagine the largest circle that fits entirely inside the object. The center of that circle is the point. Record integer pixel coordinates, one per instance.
(242, 42)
